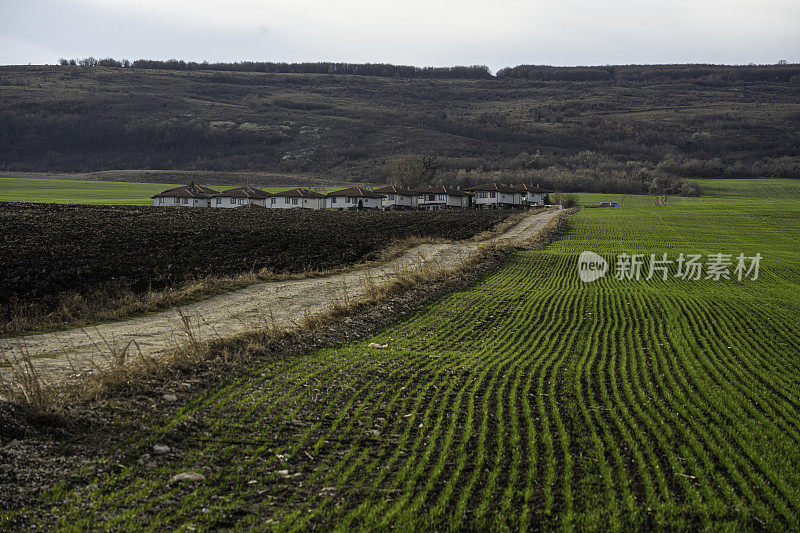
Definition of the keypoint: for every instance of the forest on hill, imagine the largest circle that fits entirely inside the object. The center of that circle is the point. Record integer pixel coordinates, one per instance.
(614, 129)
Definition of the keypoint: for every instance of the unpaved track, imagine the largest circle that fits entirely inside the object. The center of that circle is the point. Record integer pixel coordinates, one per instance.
(62, 355)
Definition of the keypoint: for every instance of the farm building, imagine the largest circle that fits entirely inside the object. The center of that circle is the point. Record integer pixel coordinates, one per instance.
(354, 198)
(186, 196)
(240, 196)
(531, 196)
(494, 195)
(397, 198)
(433, 198)
(296, 198)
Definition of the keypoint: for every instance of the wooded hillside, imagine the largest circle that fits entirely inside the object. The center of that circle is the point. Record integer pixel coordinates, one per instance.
(593, 128)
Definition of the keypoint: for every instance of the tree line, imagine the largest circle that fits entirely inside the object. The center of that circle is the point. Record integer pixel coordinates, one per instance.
(712, 74)
(413, 170)
(474, 72)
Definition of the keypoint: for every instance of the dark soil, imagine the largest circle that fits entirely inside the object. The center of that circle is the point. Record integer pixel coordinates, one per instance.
(49, 250)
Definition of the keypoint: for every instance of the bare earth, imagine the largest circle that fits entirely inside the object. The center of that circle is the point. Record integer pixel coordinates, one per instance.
(68, 354)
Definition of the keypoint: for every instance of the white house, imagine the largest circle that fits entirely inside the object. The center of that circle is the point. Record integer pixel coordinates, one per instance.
(354, 198)
(494, 195)
(296, 198)
(240, 196)
(434, 198)
(531, 196)
(397, 198)
(186, 196)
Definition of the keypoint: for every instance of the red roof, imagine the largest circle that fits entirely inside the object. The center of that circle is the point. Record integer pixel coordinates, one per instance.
(244, 192)
(187, 191)
(392, 189)
(524, 187)
(356, 192)
(428, 189)
(493, 187)
(299, 193)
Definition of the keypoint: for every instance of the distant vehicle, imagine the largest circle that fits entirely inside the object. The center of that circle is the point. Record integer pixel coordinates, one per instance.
(605, 204)
(614, 204)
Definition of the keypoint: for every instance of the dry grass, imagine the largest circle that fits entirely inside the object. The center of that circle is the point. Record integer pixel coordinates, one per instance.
(114, 302)
(23, 383)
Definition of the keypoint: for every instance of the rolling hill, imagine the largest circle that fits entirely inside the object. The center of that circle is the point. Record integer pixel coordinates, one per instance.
(621, 124)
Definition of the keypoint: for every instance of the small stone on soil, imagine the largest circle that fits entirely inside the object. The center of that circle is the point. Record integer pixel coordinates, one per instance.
(187, 476)
(170, 397)
(160, 449)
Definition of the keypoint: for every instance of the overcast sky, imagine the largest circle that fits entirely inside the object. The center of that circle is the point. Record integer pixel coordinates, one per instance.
(495, 33)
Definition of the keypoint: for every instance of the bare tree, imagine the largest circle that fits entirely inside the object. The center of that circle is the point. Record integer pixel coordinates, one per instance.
(413, 170)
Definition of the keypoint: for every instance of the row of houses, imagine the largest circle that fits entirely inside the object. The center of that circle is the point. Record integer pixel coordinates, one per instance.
(489, 195)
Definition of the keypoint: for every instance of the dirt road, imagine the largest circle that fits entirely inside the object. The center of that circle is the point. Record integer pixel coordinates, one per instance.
(67, 354)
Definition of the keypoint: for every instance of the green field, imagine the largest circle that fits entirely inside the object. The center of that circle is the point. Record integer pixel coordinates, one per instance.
(529, 400)
(78, 191)
(59, 191)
